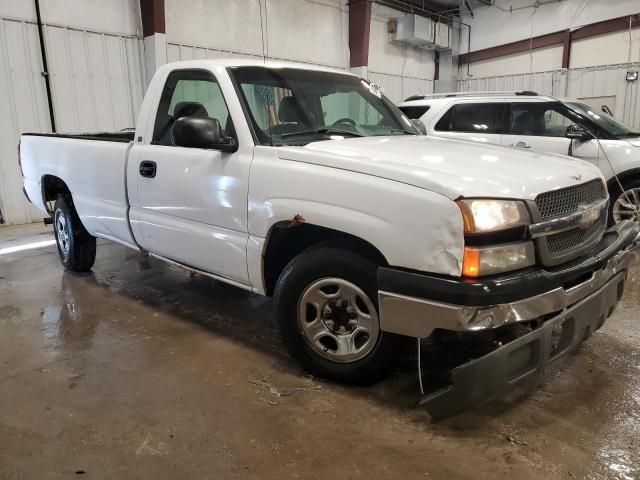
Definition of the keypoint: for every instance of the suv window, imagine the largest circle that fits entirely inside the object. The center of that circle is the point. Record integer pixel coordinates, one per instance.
(537, 119)
(415, 112)
(472, 118)
(189, 93)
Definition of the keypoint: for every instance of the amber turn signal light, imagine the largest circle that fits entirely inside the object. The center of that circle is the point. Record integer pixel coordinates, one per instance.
(471, 262)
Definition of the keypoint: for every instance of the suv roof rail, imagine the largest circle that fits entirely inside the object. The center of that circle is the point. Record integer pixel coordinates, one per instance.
(415, 97)
(470, 94)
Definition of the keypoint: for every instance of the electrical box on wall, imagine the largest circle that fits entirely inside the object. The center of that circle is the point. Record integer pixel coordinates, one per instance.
(421, 32)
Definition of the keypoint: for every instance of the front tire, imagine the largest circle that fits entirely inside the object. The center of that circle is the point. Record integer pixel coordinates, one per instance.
(76, 246)
(326, 302)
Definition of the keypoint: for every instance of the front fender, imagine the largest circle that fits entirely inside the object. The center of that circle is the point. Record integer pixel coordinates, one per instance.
(412, 227)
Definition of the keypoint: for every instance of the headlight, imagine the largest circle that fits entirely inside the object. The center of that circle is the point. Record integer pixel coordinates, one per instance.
(485, 215)
(480, 261)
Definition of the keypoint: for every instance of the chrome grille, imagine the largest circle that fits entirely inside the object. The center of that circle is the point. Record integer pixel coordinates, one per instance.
(564, 242)
(568, 200)
(562, 247)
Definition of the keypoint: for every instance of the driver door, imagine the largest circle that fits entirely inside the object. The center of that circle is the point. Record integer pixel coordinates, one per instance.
(538, 126)
(190, 205)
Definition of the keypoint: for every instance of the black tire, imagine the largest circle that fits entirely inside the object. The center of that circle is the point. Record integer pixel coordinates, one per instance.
(615, 192)
(76, 246)
(318, 263)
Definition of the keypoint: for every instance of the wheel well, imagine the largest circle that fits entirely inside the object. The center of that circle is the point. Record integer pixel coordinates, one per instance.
(624, 177)
(52, 186)
(286, 241)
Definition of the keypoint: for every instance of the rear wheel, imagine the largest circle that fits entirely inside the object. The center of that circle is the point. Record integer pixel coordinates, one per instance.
(76, 247)
(326, 300)
(625, 204)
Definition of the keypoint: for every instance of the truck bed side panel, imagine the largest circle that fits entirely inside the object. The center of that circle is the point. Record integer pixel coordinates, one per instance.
(93, 170)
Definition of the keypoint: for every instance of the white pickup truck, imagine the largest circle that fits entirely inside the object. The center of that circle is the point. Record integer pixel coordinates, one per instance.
(309, 185)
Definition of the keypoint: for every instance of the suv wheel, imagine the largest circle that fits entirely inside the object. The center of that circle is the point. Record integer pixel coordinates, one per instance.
(625, 205)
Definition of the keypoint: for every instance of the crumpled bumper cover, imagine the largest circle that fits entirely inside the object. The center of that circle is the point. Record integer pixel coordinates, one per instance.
(496, 373)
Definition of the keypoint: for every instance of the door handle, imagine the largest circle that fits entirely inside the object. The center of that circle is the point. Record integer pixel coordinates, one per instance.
(520, 145)
(148, 169)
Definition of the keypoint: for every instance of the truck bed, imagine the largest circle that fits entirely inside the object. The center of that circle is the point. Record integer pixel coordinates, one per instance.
(125, 136)
(93, 171)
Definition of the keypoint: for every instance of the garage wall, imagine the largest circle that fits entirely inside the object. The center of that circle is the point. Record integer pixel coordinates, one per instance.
(309, 31)
(497, 25)
(400, 70)
(538, 60)
(320, 29)
(96, 79)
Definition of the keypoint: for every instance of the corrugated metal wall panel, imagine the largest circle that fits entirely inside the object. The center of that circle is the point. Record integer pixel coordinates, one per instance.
(107, 87)
(547, 83)
(608, 81)
(397, 88)
(97, 83)
(177, 52)
(24, 108)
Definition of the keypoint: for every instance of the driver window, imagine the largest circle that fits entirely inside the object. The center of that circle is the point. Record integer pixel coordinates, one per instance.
(537, 119)
(189, 93)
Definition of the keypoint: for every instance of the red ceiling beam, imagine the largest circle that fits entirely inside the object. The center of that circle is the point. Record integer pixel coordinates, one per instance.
(359, 27)
(514, 47)
(152, 13)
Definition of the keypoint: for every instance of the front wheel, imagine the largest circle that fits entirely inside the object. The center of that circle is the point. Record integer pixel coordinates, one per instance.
(326, 301)
(625, 203)
(76, 246)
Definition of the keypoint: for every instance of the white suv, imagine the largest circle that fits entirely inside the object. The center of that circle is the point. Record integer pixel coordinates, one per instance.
(527, 120)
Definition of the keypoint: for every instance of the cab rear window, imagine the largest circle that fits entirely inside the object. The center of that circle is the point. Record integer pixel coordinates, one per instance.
(415, 112)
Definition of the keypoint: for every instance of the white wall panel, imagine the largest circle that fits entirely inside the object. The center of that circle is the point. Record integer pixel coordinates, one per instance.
(546, 83)
(391, 58)
(398, 88)
(607, 49)
(308, 31)
(24, 107)
(538, 60)
(97, 84)
(608, 81)
(496, 25)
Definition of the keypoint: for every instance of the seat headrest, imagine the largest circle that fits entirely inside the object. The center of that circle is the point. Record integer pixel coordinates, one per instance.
(289, 111)
(189, 109)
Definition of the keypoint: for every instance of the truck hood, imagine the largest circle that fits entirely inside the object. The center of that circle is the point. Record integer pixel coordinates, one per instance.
(635, 142)
(452, 168)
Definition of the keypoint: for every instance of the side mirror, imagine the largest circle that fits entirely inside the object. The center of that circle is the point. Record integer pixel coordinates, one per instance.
(419, 125)
(576, 132)
(201, 132)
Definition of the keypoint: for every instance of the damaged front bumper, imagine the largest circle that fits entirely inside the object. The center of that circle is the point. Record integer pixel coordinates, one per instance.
(573, 300)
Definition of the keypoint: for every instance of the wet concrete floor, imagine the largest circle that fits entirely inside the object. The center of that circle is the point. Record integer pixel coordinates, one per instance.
(140, 370)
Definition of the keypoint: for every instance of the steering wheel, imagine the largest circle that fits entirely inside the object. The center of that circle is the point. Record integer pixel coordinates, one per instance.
(344, 120)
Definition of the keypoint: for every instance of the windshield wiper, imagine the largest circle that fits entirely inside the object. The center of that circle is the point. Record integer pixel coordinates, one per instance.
(322, 130)
(401, 130)
(628, 134)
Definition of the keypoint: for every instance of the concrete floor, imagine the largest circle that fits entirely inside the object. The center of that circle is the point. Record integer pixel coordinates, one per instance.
(140, 370)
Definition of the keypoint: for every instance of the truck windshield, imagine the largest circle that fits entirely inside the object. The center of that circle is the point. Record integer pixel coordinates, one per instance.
(290, 106)
(606, 122)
